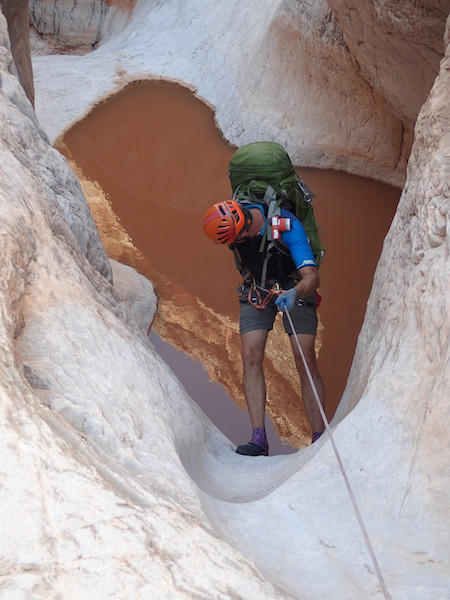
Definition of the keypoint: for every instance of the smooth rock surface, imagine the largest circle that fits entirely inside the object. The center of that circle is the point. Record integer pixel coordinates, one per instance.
(136, 292)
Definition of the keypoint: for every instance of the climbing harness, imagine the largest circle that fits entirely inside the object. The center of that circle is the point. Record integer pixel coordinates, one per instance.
(341, 466)
(259, 297)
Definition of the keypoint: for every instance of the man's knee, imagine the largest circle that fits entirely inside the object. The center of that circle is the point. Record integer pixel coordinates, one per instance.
(308, 348)
(253, 345)
(252, 356)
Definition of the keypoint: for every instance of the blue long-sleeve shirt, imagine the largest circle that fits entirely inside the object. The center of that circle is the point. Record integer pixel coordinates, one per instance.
(296, 239)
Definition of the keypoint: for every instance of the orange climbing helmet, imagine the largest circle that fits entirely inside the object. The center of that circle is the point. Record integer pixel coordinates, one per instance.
(224, 221)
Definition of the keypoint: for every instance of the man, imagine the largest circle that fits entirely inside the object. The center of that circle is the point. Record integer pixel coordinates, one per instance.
(267, 268)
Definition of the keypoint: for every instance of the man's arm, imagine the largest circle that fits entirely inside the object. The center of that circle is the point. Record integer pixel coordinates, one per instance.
(308, 285)
(309, 282)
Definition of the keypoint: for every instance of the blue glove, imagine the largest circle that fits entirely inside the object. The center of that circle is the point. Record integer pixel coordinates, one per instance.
(287, 300)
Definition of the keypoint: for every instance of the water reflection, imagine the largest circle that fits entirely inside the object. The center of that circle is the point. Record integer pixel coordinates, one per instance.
(156, 152)
(213, 398)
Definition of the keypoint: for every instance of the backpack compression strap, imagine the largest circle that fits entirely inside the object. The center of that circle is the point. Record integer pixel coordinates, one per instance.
(270, 198)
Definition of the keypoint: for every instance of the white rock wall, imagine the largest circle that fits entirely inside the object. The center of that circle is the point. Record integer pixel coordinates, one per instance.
(397, 45)
(95, 500)
(29, 150)
(283, 72)
(73, 24)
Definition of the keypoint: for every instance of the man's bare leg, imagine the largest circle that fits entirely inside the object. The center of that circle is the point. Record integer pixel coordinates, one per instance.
(309, 401)
(253, 346)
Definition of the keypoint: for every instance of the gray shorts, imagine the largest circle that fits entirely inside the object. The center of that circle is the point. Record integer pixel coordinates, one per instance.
(303, 315)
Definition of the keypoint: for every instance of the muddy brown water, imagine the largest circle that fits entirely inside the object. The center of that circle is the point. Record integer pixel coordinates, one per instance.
(155, 151)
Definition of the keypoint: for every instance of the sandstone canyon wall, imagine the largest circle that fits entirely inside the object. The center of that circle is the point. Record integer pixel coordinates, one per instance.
(63, 497)
(16, 13)
(329, 105)
(76, 27)
(114, 484)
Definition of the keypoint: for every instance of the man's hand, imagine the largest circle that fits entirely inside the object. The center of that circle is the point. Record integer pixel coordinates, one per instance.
(287, 300)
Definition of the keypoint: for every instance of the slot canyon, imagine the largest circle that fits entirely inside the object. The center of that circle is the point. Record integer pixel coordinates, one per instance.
(152, 161)
(120, 372)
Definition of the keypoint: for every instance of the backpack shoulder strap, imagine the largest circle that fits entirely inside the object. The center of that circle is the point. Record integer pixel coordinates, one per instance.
(273, 202)
(238, 261)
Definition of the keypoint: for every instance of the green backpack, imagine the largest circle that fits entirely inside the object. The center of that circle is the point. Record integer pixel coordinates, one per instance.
(262, 172)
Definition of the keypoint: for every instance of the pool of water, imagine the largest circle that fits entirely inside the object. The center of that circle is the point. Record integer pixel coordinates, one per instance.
(156, 154)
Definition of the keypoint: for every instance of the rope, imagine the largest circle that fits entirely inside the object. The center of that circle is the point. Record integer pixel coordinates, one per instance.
(341, 466)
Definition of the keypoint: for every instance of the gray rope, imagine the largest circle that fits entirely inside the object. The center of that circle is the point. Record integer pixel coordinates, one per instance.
(341, 466)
